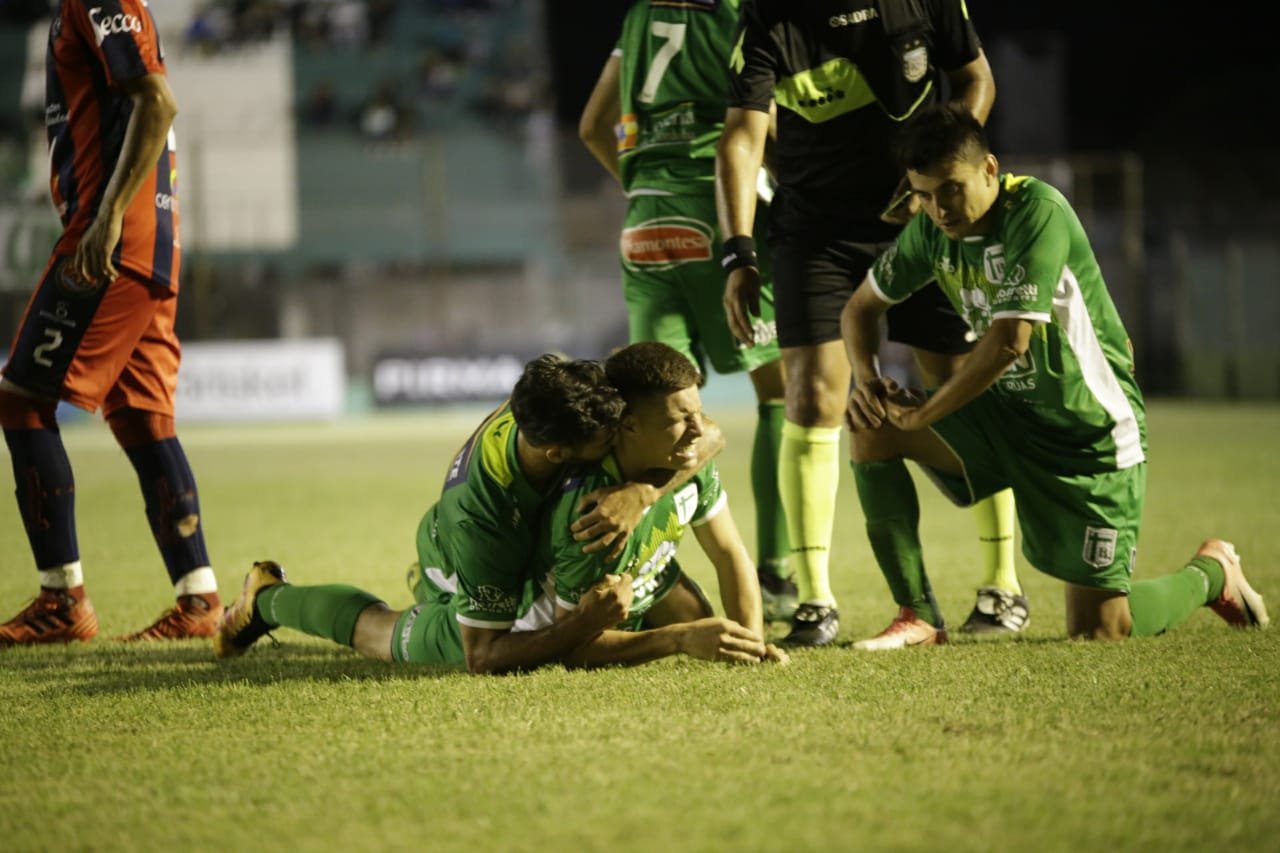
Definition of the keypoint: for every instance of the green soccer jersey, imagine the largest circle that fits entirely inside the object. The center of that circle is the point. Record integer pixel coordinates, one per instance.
(674, 84)
(1074, 389)
(648, 554)
(476, 541)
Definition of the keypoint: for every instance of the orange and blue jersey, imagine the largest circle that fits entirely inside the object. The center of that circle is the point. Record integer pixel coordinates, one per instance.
(93, 49)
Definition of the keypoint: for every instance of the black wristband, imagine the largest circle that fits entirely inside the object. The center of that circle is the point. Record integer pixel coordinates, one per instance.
(738, 252)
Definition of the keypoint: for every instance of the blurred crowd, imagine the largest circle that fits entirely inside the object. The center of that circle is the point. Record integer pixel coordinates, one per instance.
(429, 62)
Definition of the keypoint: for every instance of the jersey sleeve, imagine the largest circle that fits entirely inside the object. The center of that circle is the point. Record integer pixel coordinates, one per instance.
(905, 266)
(712, 497)
(572, 571)
(956, 41)
(122, 35)
(753, 62)
(490, 581)
(1037, 241)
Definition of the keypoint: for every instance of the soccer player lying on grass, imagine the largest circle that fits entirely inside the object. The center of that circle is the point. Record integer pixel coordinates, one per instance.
(1046, 403)
(478, 539)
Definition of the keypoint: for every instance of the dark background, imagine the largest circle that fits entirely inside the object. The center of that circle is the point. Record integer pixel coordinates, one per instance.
(1142, 76)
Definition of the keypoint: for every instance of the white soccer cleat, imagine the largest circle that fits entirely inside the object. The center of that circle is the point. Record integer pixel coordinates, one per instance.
(906, 629)
(1240, 604)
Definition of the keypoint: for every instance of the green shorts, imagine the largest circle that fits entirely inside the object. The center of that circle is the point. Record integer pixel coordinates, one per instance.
(1081, 528)
(428, 632)
(674, 286)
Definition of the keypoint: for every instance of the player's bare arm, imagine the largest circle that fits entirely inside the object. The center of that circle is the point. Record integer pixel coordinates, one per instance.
(713, 638)
(154, 108)
(490, 652)
(1000, 346)
(739, 156)
(598, 123)
(860, 329)
(975, 86)
(735, 570)
(611, 513)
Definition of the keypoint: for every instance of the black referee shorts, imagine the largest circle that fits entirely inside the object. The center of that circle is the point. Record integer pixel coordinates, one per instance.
(812, 281)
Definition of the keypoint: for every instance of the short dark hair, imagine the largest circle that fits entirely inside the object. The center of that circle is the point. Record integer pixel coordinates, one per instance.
(940, 133)
(650, 368)
(564, 401)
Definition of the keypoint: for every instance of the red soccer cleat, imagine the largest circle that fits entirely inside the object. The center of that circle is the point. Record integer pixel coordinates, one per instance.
(56, 616)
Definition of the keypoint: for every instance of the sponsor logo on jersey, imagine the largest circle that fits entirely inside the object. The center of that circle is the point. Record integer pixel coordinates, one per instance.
(666, 242)
(110, 25)
(54, 114)
(491, 599)
(849, 19)
(164, 201)
(1019, 293)
(628, 132)
(1100, 546)
(993, 263)
(915, 63)
(648, 577)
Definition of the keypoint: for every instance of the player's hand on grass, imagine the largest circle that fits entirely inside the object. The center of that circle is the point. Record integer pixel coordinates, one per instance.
(610, 514)
(742, 302)
(773, 654)
(720, 639)
(608, 601)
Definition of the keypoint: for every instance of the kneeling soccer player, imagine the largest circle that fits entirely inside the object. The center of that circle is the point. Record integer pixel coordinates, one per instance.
(1046, 404)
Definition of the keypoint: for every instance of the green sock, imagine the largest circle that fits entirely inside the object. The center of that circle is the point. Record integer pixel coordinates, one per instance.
(1158, 604)
(808, 478)
(772, 544)
(892, 511)
(995, 517)
(328, 611)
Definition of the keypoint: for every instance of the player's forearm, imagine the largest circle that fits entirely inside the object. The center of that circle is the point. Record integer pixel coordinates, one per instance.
(144, 138)
(975, 87)
(603, 145)
(860, 329)
(626, 648)
(525, 650)
(740, 593)
(987, 363)
(739, 156)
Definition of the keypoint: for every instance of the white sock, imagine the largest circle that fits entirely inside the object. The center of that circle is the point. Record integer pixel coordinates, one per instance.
(196, 582)
(62, 577)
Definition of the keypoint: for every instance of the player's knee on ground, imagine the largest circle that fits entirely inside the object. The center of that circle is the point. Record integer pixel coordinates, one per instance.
(19, 411)
(1097, 614)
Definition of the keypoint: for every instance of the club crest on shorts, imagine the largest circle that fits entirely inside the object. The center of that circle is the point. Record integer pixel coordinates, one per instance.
(665, 242)
(1100, 546)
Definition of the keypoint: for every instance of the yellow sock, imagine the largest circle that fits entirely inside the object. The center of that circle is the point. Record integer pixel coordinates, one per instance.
(808, 477)
(995, 517)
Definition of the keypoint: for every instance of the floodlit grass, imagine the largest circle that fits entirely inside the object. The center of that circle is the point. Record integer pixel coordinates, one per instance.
(1034, 744)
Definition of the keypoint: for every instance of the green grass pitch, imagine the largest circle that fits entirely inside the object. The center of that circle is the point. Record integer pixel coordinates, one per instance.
(1034, 744)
